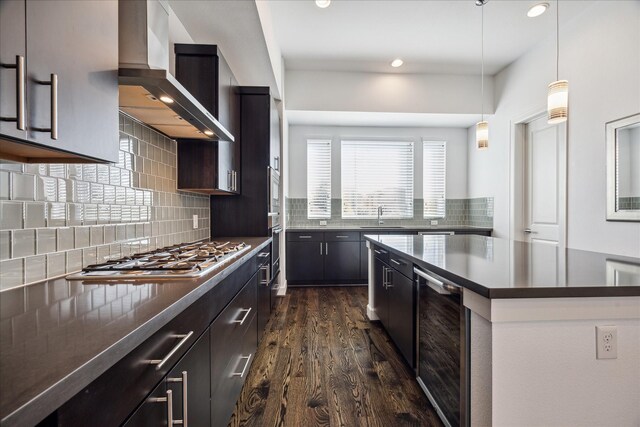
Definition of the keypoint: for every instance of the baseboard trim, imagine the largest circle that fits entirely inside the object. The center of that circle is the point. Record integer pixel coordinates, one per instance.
(371, 313)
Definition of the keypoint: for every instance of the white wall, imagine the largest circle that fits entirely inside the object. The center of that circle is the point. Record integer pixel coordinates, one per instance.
(600, 56)
(456, 154)
(380, 92)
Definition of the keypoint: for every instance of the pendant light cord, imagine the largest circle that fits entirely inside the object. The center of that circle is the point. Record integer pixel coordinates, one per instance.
(557, 40)
(482, 64)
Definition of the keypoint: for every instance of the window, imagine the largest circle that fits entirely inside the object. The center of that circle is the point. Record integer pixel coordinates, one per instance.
(434, 178)
(376, 173)
(318, 179)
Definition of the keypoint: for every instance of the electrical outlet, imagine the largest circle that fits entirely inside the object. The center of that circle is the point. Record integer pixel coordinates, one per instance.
(606, 342)
(434, 222)
(195, 222)
(323, 222)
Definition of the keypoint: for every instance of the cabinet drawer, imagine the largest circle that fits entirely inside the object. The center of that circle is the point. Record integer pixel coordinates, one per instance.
(228, 375)
(402, 265)
(305, 237)
(381, 254)
(340, 236)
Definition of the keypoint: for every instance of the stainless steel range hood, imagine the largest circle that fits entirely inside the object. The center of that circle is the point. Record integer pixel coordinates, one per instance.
(148, 91)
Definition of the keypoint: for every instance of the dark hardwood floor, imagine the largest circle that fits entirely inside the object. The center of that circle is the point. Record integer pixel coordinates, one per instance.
(322, 363)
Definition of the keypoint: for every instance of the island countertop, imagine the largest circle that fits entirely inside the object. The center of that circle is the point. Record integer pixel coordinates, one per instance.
(502, 268)
(58, 336)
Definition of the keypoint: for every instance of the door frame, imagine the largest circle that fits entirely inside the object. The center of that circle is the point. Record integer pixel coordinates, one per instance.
(517, 191)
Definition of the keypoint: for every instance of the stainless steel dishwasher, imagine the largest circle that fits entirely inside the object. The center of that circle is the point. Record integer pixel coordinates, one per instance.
(442, 360)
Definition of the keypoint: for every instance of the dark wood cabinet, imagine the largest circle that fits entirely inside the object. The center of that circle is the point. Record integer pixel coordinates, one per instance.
(323, 258)
(402, 324)
(342, 261)
(394, 297)
(190, 387)
(305, 262)
(209, 167)
(153, 411)
(247, 214)
(70, 106)
(234, 339)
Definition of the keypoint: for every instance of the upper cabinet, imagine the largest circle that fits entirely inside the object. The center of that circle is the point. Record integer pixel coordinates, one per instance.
(211, 168)
(59, 81)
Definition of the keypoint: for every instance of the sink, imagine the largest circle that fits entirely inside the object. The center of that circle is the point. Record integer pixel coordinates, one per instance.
(373, 227)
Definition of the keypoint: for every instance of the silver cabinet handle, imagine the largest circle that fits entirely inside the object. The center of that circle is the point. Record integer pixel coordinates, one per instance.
(263, 254)
(397, 262)
(304, 237)
(246, 314)
(388, 271)
(377, 251)
(342, 237)
(326, 248)
(438, 285)
(161, 362)
(244, 369)
(229, 180)
(320, 247)
(185, 400)
(234, 176)
(20, 93)
(267, 276)
(530, 231)
(54, 107)
(169, 400)
(276, 161)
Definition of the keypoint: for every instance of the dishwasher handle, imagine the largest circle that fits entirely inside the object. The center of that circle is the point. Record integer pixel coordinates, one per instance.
(438, 285)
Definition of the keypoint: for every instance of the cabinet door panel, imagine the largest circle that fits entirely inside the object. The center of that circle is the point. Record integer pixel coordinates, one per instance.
(305, 261)
(402, 315)
(12, 44)
(77, 41)
(151, 412)
(379, 292)
(342, 261)
(364, 261)
(197, 367)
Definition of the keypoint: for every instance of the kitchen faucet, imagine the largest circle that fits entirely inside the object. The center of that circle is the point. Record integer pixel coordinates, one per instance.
(380, 212)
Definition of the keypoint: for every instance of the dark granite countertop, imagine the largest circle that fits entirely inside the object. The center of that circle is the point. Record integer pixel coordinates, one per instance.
(57, 336)
(502, 268)
(373, 229)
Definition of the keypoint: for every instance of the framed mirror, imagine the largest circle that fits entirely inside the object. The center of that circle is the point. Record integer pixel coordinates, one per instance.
(623, 169)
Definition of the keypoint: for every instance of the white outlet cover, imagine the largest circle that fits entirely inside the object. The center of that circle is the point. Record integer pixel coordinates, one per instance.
(606, 342)
(434, 222)
(323, 222)
(195, 222)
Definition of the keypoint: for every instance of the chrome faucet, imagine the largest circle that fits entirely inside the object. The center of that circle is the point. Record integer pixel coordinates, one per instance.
(380, 212)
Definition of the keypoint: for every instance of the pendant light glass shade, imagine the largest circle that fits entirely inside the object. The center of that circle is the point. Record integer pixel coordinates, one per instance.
(558, 101)
(482, 135)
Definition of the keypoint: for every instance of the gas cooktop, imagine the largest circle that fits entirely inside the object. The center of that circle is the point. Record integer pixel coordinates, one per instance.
(178, 261)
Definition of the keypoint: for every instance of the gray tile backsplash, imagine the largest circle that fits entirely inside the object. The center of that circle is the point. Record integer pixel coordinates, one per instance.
(57, 218)
(459, 212)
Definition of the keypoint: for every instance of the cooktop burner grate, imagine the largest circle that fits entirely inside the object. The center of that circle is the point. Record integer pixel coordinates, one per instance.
(184, 260)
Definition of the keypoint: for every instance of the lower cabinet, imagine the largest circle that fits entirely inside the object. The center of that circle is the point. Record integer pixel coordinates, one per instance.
(394, 297)
(234, 340)
(183, 395)
(323, 258)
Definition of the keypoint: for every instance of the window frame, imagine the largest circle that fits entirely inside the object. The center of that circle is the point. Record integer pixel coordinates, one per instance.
(327, 213)
(441, 212)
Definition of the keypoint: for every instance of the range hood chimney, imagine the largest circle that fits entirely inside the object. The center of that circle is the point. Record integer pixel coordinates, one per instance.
(148, 92)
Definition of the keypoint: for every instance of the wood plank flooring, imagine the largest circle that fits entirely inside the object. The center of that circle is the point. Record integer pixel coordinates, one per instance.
(322, 363)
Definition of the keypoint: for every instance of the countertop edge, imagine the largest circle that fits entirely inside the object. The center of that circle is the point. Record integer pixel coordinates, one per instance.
(50, 399)
(403, 228)
(513, 293)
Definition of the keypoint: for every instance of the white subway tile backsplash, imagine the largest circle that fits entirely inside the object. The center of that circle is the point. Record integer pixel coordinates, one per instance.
(22, 186)
(11, 215)
(5, 244)
(35, 215)
(46, 240)
(35, 268)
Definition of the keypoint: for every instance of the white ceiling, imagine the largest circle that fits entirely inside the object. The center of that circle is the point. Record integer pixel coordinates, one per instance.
(431, 36)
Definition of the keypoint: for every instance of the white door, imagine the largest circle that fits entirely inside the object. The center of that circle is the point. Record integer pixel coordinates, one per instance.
(544, 169)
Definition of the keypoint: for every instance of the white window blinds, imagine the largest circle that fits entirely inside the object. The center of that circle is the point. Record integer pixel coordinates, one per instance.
(319, 178)
(434, 178)
(376, 173)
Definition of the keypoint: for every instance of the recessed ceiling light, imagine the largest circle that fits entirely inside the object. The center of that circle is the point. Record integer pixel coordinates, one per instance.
(397, 63)
(323, 4)
(208, 132)
(166, 99)
(537, 10)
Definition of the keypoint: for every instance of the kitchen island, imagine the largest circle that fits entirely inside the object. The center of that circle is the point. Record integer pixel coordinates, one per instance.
(73, 351)
(527, 327)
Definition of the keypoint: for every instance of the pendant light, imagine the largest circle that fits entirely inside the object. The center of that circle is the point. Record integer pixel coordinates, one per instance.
(482, 127)
(558, 96)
